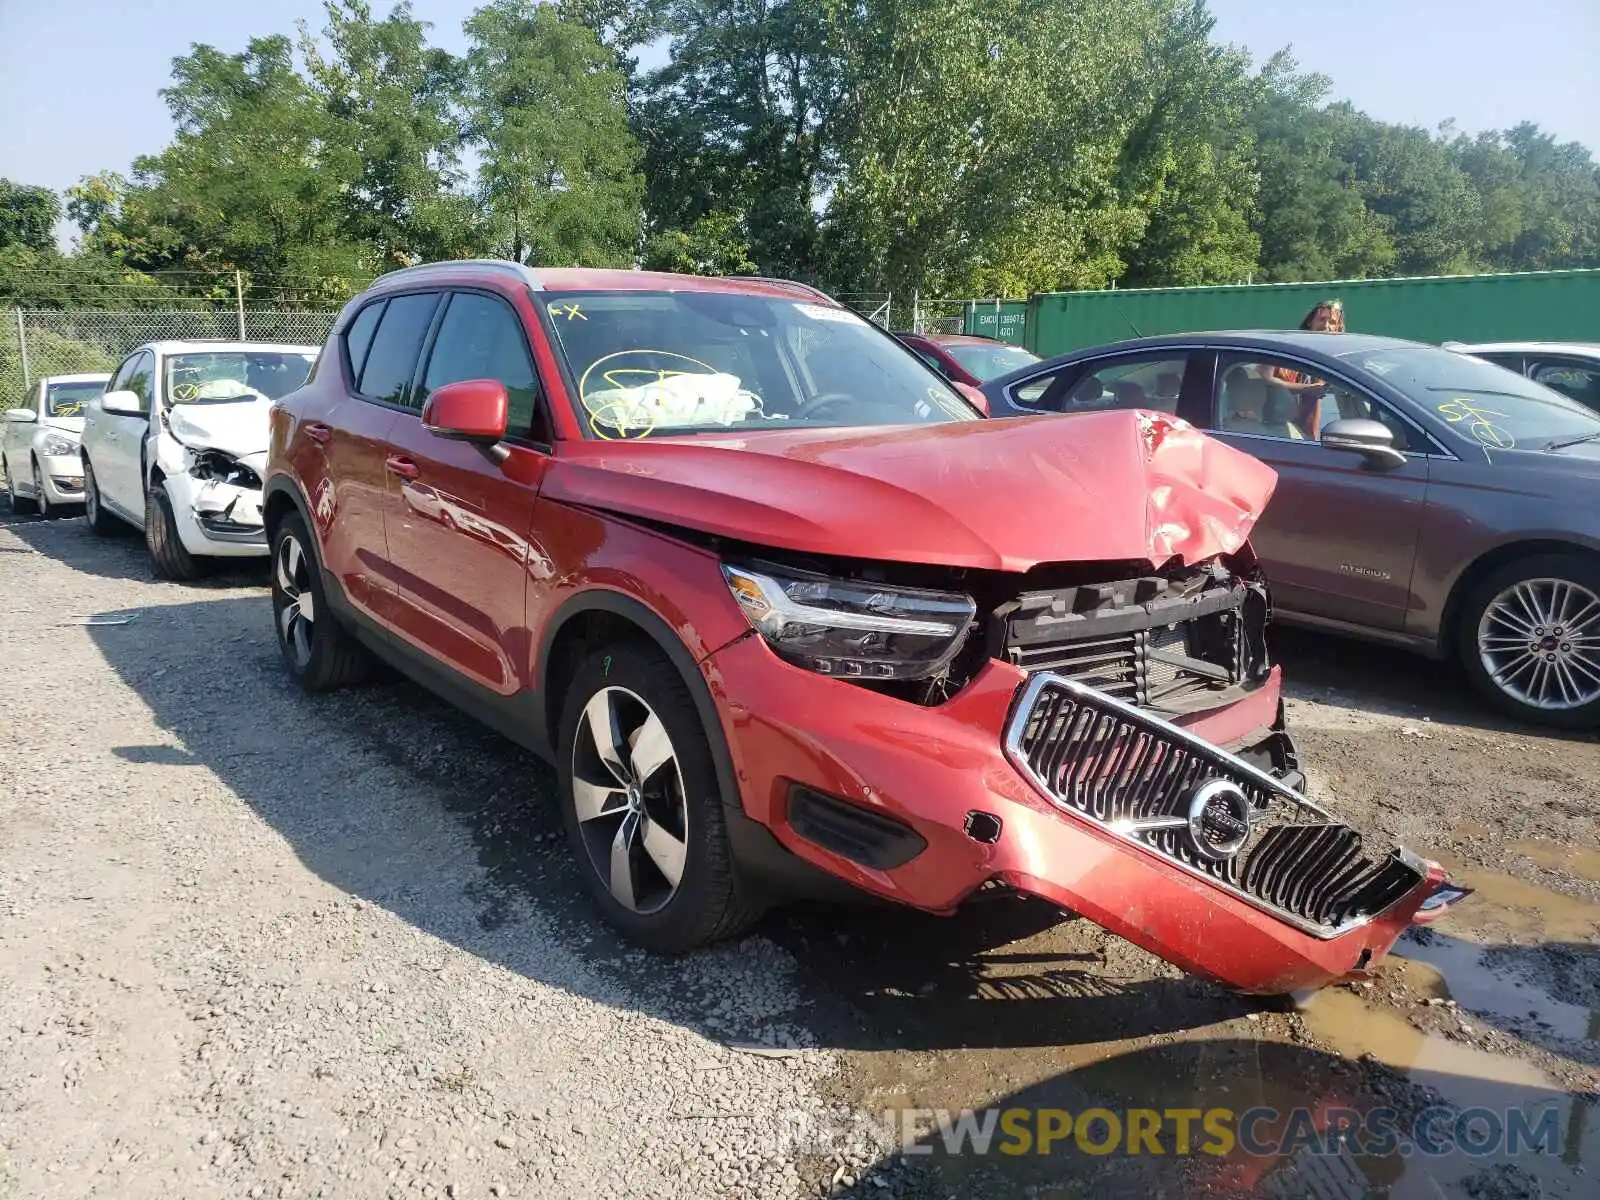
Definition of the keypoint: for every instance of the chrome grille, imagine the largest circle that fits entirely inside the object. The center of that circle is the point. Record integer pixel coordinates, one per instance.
(1137, 775)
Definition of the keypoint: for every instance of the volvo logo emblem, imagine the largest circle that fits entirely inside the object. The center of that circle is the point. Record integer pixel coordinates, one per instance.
(1219, 818)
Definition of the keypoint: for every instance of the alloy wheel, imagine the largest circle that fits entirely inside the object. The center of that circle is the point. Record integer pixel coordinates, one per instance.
(1539, 640)
(629, 799)
(91, 497)
(297, 614)
(40, 498)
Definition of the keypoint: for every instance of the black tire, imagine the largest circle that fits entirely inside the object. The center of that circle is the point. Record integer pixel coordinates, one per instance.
(100, 521)
(1578, 570)
(711, 902)
(328, 656)
(171, 558)
(20, 504)
(41, 500)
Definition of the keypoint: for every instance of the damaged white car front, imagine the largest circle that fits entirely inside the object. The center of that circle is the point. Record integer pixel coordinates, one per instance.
(213, 456)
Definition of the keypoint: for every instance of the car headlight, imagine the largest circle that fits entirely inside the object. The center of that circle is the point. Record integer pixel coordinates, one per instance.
(53, 445)
(220, 467)
(849, 627)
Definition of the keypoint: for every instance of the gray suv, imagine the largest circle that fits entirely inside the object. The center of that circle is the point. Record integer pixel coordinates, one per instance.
(1425, 499)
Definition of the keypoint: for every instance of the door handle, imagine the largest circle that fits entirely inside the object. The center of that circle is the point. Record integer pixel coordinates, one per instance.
(403, 467)
(318, 432)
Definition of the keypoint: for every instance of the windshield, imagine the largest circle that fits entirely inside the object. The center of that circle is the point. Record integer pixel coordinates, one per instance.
(235, 375)
(70, 399)
(989, 362)
(1495, 407)
(698, 362)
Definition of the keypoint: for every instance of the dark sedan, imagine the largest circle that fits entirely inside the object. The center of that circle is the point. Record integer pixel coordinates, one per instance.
(1425, 499)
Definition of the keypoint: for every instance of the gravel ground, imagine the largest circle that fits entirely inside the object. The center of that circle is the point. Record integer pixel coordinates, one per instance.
(260, 944)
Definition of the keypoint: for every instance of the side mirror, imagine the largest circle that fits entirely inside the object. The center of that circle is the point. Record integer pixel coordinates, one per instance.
(122, 404)
(21, 416)
(472, 410)
(975, 395)
(1373, 440)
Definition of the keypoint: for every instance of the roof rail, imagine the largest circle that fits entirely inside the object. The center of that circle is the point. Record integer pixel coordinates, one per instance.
(503, 265)
(789, 283)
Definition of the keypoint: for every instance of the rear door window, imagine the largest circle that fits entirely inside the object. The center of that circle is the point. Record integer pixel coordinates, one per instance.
(392, 358)
(1581, 381)
(1149, 382)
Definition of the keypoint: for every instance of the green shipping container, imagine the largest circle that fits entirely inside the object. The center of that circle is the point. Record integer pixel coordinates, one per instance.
(1543, 305)
(1007, 321)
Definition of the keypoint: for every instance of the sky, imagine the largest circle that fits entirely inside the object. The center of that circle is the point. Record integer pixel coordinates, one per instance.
(79, 79)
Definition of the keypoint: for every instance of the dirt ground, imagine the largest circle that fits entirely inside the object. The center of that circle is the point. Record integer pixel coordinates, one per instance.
(259, 944)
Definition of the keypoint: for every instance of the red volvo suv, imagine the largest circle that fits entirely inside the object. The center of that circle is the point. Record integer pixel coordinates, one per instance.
(785, 611)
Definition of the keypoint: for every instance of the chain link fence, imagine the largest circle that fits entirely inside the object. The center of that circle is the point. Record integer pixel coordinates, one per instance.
(39, 342)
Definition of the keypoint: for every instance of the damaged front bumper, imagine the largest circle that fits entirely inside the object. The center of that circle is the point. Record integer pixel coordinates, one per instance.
(1208, 857)
(217, 501)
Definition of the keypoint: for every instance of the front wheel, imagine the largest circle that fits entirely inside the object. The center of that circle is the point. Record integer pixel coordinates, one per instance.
(1529, 639)
(41, 498)
(642, 807)
(171, 557)
(19, 503)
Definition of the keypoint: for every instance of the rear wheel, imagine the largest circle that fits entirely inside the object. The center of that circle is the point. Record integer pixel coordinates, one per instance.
(1529, 639)
(319, 652)
(19, 503)
(100, 521)
(642, 806)
(167, 551)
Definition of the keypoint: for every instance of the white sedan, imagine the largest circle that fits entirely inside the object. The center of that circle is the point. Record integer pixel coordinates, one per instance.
(177, 444)
(39, 442)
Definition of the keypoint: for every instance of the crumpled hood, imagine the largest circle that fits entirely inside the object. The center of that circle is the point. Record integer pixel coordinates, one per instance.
(1000, 495)
(72, 425)
(239, 427)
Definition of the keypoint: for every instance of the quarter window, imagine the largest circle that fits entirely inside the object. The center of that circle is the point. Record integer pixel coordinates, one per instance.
(392, 356)
(358, 336)
(482, 338)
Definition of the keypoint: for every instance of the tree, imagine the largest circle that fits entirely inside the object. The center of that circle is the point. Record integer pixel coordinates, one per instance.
(28, 216)
(393, 128)
(246, 183)
(713, 245)
(746, 118)
(559, 177)
(1311, 216)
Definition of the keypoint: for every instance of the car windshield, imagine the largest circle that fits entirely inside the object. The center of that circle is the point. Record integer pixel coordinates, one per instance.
(989, 362)
(70, 399)
(1495, 407)
(700, 362)
(224, 375)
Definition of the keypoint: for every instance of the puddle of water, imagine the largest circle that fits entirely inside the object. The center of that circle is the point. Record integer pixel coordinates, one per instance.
(1524, 910)
(1574, 860)
(1464, 1074)
(1467, 1078)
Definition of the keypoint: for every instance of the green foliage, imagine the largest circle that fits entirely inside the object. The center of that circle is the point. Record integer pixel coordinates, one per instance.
(957, 147)
(27, 216)
(559, 177)
(713, 245)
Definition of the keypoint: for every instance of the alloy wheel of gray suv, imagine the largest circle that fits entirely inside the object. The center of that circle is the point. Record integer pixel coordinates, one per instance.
(1531, 639)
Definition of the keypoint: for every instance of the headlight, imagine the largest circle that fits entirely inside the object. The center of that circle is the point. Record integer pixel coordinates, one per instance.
(849, 627)
(220, 467)
(53, 445)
